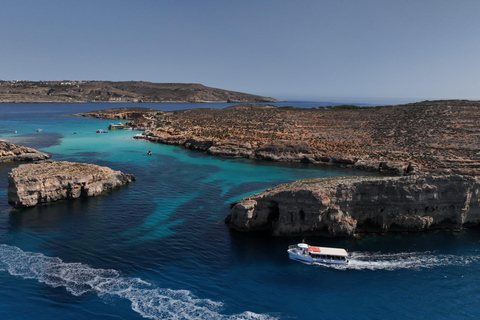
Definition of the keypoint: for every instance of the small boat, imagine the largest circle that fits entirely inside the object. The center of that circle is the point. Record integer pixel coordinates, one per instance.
(117, 126)
(39, 130)
(309, 254)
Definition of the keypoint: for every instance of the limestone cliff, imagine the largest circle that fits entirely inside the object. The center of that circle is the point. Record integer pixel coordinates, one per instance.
(13, 152)
(48, 181)
(346, 206)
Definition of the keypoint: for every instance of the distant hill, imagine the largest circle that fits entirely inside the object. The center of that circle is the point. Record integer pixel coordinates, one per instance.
(123, 91)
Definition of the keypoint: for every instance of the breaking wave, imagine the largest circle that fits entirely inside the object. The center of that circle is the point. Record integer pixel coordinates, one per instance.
(404, 260)
(146, 299)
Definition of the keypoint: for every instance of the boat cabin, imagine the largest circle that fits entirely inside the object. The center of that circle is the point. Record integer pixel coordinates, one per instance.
(306, 253)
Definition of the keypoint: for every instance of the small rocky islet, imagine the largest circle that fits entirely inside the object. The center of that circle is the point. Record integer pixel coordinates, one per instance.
(44, 180)
(49, 181)
(14, 152)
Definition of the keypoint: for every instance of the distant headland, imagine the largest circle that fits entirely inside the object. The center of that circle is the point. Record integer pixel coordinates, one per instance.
(15, 91)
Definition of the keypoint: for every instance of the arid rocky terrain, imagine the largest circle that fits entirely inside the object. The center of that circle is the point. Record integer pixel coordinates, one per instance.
(441, 137)
(120, 91)
(14, 152)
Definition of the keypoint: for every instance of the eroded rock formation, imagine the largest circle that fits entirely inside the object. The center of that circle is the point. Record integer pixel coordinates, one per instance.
(346, 206)
(48, 181)
(13, 152)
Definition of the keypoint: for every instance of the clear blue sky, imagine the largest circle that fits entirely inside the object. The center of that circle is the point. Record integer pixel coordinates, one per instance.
(307, 50)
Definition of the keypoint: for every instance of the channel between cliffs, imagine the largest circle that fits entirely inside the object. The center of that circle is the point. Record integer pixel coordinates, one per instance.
(339, 207)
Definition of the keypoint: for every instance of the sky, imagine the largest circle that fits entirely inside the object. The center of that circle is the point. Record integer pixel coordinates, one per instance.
(293, 50)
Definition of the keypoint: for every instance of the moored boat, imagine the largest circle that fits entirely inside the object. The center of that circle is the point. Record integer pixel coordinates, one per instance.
(310, 254)
(117, 126)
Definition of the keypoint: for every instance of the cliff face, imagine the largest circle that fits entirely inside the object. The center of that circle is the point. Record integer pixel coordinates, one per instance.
(13, 152)
(346, 206)
(48, 181)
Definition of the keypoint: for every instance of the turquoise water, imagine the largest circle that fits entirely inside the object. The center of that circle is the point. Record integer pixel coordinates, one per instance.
(158, 248)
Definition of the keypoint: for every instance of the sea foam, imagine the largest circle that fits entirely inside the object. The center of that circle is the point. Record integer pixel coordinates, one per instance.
(149, 301)
(403, 260)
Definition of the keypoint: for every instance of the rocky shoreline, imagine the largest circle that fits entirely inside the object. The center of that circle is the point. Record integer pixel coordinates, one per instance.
(49, 181)
(433, 147)
(13, 152)
(431, 137)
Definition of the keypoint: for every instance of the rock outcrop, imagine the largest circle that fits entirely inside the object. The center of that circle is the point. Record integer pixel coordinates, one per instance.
(48, 181)
(347, 206)
(13, 152)
(122, 113)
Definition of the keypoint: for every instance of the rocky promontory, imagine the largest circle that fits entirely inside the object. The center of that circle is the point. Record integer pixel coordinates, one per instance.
(121, 113)
(347, 206)
(48, 181)
(14, 152)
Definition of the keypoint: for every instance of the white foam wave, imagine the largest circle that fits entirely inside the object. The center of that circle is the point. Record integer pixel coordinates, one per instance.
(404, 260)
(149, 301)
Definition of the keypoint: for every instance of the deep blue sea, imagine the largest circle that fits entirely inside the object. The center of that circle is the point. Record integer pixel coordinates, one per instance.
(158, 248)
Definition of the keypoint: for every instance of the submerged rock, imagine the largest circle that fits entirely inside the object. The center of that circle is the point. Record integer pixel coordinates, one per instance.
(48, 181)
(346, 206)
(14, 152)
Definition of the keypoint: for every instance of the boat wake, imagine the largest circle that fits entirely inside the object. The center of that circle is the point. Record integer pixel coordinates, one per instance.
(404, 260)
(146, 299)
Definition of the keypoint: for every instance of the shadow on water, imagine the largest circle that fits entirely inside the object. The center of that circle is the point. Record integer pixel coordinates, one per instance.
(36, 140)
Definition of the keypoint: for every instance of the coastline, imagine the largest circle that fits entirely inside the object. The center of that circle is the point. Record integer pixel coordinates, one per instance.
(419, 140)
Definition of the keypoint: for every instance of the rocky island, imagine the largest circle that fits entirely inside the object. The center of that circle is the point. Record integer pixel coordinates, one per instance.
(48, 181)
(14, 152)
(119, 91)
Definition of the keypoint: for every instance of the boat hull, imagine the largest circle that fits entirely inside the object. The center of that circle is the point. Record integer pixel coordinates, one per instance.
(306, 258)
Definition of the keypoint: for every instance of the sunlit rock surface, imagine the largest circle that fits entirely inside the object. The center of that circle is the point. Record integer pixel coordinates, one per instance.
(48, 181)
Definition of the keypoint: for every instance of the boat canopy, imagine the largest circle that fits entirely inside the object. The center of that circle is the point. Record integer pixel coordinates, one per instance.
(324, 250)
(329, 251)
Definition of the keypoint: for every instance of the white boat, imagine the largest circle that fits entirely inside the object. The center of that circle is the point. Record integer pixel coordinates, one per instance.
(309, 254)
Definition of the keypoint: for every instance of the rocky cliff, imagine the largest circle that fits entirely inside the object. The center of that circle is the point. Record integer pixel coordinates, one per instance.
(347, 206)
(13, 152)
(48, 181)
